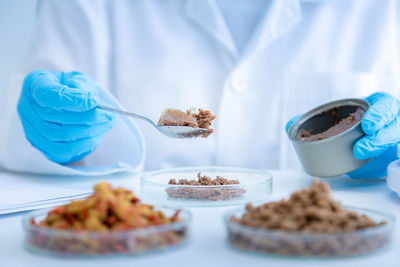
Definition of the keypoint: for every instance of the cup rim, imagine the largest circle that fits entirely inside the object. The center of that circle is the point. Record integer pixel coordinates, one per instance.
(293, 129)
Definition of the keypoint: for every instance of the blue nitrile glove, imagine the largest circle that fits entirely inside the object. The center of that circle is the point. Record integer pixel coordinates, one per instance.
(381, 124)
(290, 122)
(59, 115)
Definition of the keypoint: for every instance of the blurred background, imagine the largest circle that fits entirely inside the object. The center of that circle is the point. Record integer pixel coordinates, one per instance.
(17, 22)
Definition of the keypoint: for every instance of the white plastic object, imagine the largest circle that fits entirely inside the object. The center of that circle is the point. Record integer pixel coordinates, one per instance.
(393, 176)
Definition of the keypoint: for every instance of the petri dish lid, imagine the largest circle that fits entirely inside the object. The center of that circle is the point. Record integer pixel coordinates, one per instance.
(254, 185)
(71, 243)
(393, 176)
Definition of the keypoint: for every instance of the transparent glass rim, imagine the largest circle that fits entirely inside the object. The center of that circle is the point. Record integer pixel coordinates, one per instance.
(141, 231)
(144, 179)
(389, 218)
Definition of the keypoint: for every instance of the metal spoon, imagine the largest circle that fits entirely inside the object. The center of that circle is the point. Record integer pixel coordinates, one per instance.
(170, 131)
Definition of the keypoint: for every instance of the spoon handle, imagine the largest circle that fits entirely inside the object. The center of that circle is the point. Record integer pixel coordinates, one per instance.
(126, 113)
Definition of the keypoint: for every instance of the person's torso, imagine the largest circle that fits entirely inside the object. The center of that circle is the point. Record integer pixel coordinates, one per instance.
(179, 54)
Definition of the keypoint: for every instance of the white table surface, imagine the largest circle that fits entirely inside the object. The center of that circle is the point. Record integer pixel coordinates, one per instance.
(207, 246)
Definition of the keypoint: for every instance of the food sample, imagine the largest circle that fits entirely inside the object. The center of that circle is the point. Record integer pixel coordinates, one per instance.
(175, 117)
(306, 135)
(309, 212)
(186, 189)
(196, 192)
(107, 212)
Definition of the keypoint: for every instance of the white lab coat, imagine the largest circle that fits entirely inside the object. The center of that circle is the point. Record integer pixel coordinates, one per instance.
(179, 53)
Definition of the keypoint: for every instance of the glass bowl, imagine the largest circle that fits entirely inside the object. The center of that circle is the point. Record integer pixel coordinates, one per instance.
(312, 244)
(58, 242)
(254, 185)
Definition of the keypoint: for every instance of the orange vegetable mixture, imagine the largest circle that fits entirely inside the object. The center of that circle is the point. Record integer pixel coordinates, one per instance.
(107, 209)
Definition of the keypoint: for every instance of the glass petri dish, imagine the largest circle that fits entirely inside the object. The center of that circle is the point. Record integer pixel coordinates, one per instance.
(57, 242)
(254, 185)
(281, 243)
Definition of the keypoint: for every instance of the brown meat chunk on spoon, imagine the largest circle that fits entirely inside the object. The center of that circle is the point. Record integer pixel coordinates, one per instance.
(190, 125)
(197, 120)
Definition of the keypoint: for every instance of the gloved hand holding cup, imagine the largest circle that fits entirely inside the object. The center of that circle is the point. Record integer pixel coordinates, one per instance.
(381, 124)
(379, 134)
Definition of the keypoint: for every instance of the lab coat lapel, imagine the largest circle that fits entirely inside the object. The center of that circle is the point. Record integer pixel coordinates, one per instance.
(206, 14)
(281, 17)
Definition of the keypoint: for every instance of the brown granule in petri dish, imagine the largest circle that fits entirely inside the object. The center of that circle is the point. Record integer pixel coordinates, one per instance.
(175, 117)
(311, 211)
(205, 193)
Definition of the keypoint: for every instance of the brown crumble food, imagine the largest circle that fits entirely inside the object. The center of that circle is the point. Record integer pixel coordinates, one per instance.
(311, 211)
(205, 193)
(306, 135)
(204, 120)
(201, 119)
(107, 210)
